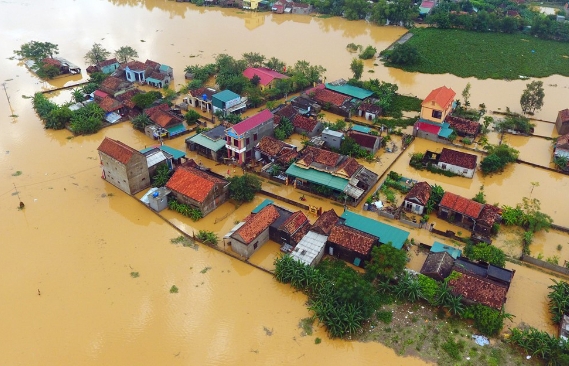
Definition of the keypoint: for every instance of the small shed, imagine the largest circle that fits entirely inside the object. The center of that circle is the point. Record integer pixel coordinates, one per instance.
(438, 266)
(310, 249)
(440, 247)
(332, 139)
(156, 198)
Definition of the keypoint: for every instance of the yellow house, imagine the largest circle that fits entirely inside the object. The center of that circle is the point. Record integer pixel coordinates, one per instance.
(267, 77)
(438, 104)
(251, 4)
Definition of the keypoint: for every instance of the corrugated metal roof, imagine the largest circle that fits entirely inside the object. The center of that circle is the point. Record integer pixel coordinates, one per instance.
(445, 131)
(155, 158)
(361, 129)
(309, 247)
(176, 154)
(318, 177)
(207, 143)
(262, 205)
(385, 233)
(226, 96)
(176, 129)
(440, 247)
(352, 91)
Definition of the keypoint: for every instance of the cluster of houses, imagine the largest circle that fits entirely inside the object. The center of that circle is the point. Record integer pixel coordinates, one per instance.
(561, 146)
(349, 237)
(477, 217)
(115, 95)
(131, 171)
(476, 282)
(65, 67)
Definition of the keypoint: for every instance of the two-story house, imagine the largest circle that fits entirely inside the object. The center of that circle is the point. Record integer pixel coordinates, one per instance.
(242, 138)
(438, 104)
(267, 77)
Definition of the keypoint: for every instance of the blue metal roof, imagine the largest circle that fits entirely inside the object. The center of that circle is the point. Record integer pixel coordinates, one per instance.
(440, 247)
(361, 129)
(176, 154)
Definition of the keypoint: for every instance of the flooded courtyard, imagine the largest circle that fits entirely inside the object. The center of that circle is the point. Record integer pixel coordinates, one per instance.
(69, 293)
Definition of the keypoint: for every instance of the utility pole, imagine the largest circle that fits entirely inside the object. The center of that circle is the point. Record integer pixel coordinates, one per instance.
(8, 98)
(19, 199)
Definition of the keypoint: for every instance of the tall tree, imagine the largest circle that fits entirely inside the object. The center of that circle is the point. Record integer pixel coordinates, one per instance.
(275, 64)
(96, 54)
(254, 59)
(532, 97)
(37, 51)
(386, 262)
(357, 67)
(125, 54)
(466, 95)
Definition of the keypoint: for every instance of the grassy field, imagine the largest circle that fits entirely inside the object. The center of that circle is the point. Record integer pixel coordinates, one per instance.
(487, 55)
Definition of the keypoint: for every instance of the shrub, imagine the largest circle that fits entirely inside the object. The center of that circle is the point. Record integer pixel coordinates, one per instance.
(487, 320)
(207, 237)
(487, 253)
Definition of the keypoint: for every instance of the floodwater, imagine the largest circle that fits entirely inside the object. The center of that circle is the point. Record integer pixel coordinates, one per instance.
(68, 294)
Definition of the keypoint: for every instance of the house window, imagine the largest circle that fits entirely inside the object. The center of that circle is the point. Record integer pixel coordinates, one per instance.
(443, 166)
(228, 140)
(464, 171)
(255, 245)
(235, 142)
(437, 114)
(247, 141)
(255, 137)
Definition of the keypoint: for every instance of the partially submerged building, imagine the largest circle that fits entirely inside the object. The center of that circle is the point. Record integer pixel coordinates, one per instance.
(210, 144)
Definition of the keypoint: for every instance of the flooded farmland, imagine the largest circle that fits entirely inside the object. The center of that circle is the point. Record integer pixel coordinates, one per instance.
(68, 293)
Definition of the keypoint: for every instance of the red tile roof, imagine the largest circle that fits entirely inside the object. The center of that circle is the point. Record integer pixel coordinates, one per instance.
(152, 64)
(489, 215)
(286, 155)
(328, 96)
(294, 222)
(421, 191)
(126, 98)
(325, 222)
(258, 223)
(428, 127)
(136, 66)
(563, 115)
(363, 139)
(160, 107)
(458, 158)
(462, 125)
(461, 205)
(193, 183)
(52, 62)
(265, 74)
(112, 83)
(305, 123)
(158, 75)
(352, 239)
(161, 116)
(287, 111)
(270, 146)
(442, 96)
(350, 166)
(100, 94)
(253, 121)
(109, 104)
(478, 289)
(117, 150)
(562, 140)
(370, 108)
(108, 62)
(312, 154)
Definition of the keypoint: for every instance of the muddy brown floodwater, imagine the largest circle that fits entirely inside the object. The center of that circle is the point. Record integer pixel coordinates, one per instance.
(68, 296)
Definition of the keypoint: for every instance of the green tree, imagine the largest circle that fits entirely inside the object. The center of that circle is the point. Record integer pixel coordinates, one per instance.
(243, 188)
(47, 71)
(275, 64)
(192, 117)
(37, 51)
(58, 118)
(145, 100)
(561, 162)
(162, 175)
(125, 54)
(498, 157)
(284, 129)
(404, 54)
(368, 53)
(466, 94)
(357, 67)
(386, 262)
(96, 54)
(532, 97)
(87, 120)
(140, 122)
(253, 59)
(355, 9)
(487, 253)
(78, 95)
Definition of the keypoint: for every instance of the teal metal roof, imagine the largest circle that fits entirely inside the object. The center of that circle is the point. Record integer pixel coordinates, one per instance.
(164, 68)
(176, 154)
(385, 233)
(262, 205)
(318, 177)
(176, 130)
(226, 96)
(350, 90)
(207, 143)
(445, 131)
(361, 129)
(440, 247)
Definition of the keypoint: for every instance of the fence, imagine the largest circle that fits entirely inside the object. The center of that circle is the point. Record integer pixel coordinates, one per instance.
(284, 199)
(544, 264)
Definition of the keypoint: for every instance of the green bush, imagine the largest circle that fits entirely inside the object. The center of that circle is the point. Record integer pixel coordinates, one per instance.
(487, 320)
(193, 213)
(487, 253)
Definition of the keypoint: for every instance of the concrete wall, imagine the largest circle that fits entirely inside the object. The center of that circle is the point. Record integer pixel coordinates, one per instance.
(332, 141)
(468, 173)
(415, 208)
(131, 178)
